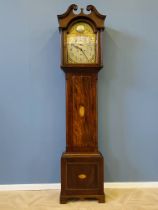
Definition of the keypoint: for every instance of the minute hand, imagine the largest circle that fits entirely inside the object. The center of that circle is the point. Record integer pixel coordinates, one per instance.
(77, 47)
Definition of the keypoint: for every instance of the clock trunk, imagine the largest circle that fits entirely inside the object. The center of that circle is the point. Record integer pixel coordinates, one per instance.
(81, 112)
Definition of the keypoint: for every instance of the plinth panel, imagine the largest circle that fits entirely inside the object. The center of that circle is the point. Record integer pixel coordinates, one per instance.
(82, 176)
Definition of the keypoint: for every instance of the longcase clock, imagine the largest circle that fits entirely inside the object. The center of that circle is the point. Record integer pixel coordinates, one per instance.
(81, 59)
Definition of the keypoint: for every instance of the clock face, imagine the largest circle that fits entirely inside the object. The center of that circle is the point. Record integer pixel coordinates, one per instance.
(81, 44)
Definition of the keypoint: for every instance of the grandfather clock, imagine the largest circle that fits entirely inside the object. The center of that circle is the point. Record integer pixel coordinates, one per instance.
(81, 60)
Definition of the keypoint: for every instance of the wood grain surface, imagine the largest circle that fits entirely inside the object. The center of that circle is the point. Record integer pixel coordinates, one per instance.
(81, 130)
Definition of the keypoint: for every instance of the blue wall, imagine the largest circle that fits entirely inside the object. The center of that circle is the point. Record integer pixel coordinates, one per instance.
(32, 91)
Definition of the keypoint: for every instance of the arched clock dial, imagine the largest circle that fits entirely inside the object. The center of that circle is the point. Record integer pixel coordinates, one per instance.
(81, 44)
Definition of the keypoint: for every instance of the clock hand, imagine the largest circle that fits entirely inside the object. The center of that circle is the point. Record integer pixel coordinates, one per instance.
(84, 54)
(77, 47)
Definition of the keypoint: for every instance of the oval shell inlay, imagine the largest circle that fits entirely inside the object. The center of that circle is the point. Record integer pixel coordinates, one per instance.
(81, 111)
(82, 176)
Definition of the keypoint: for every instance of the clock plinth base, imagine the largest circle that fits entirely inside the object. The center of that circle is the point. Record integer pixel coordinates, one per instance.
(82, 177)
(65, 199)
